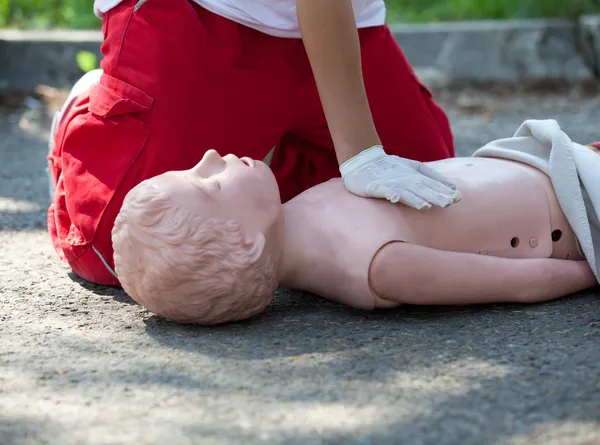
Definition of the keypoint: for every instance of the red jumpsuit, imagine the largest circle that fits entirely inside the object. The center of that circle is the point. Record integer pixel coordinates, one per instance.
(179, 80)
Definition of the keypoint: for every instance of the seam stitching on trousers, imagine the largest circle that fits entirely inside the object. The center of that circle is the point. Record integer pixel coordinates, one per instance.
(114, 274)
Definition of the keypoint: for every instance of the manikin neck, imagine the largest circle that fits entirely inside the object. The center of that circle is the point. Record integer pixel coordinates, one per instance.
(299, 235)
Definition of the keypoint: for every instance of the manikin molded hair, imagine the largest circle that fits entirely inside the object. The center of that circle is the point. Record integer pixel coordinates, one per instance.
(187, 268)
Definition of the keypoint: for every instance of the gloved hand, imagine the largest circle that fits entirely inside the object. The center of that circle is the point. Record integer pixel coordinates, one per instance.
(374, 174)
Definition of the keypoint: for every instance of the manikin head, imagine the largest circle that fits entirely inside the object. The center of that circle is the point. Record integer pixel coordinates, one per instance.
(202, 245)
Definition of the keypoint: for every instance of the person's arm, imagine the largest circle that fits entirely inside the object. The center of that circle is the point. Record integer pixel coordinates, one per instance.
(330, 36)
(412, 274)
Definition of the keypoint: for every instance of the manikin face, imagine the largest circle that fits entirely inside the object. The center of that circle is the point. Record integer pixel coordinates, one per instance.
(229, 187)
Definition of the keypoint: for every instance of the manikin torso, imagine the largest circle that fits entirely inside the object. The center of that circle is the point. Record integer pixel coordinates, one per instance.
(508, 210)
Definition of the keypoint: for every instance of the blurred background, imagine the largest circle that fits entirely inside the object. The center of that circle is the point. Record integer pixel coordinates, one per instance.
(77, 14)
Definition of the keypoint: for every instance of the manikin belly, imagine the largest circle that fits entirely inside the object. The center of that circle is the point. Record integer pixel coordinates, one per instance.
(513, 199)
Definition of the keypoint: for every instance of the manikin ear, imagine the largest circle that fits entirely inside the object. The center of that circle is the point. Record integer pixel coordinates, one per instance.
(255, 246)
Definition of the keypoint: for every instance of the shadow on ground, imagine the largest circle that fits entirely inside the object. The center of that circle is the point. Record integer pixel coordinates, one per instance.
(449, 375)
(15, 431)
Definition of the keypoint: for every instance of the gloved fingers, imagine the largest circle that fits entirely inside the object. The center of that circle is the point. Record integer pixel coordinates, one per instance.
(428, 171)
(433, 196)
(438, 187)
(384, 192)
(457, 196)
(408, 198)
(399, 195)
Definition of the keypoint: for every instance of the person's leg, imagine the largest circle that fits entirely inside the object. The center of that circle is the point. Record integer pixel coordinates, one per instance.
(87, 81)
(409, 122)
(299, 164)
(177, 81)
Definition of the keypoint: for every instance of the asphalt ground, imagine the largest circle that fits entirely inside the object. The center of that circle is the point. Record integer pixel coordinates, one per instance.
(84, 364)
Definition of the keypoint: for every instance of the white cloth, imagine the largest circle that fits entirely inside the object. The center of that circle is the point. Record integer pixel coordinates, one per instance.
(574, 170)
(274, 17)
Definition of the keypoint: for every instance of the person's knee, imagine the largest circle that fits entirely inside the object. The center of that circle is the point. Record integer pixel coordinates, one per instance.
(92, 267)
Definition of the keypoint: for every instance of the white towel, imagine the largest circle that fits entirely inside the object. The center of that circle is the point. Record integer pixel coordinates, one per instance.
(574, 170)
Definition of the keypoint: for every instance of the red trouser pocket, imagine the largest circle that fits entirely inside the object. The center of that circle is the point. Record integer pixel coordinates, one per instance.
(99, 149)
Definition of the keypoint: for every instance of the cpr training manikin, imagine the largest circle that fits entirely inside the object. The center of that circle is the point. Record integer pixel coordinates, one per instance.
(210, 245)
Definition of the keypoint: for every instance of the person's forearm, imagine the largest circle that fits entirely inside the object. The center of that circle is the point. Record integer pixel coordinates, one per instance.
(330, 36)
(413, 274)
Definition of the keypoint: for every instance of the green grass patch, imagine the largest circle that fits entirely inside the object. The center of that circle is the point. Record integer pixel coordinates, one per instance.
(78, 14)
(45, 14)
(452, 10)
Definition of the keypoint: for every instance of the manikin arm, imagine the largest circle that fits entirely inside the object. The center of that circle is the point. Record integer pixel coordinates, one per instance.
(412, 274)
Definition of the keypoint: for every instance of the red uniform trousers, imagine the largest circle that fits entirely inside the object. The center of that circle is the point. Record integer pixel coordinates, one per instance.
(179, 80)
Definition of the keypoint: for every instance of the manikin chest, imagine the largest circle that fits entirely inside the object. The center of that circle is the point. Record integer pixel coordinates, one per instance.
(508, 209)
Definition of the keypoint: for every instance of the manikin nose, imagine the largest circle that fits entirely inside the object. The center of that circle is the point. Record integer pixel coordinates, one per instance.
(210, 164)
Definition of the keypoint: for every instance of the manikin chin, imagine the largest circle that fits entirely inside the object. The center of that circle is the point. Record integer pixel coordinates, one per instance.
(211, 244)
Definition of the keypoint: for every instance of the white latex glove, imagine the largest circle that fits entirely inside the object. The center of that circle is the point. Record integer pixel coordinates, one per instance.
(375, 174)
